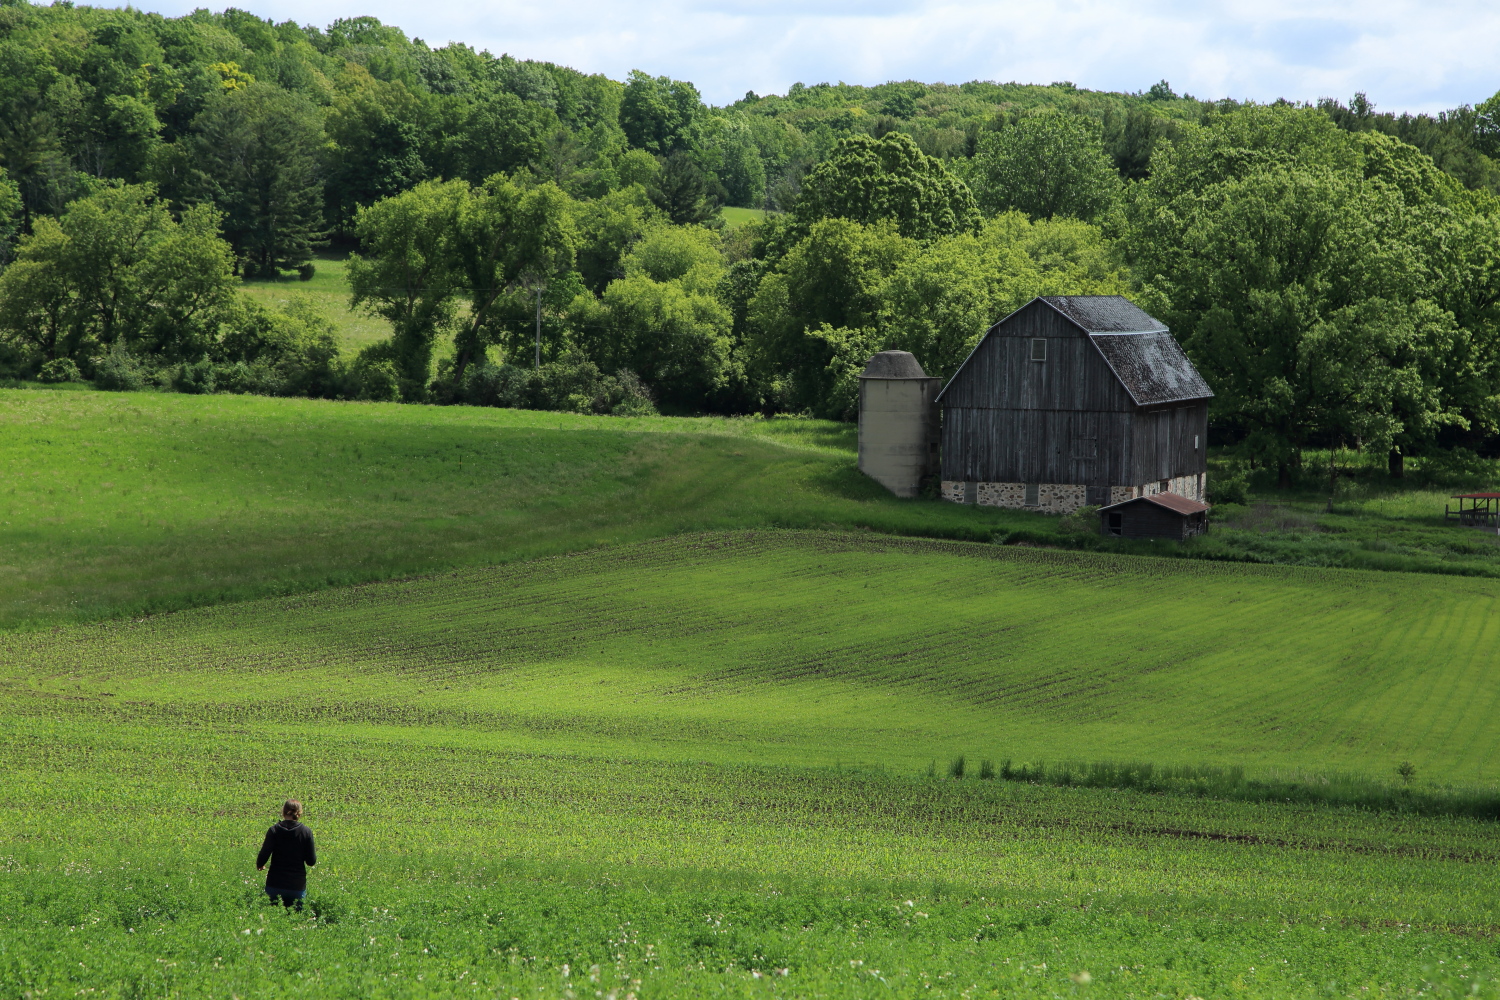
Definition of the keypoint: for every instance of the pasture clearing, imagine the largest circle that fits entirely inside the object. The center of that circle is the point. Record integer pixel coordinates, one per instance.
(696, 762)
(736, 217)
(328, 290)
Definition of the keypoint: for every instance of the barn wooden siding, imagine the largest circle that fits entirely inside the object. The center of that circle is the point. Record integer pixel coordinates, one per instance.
(1064, 420)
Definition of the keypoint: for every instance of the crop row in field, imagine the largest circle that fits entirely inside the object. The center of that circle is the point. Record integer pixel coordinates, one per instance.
(450, 868)
(818, 648)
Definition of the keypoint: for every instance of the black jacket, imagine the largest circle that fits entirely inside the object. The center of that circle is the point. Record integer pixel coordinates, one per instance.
(289, 846)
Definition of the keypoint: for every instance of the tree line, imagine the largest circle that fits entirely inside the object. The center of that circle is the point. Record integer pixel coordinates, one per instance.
(535, 236)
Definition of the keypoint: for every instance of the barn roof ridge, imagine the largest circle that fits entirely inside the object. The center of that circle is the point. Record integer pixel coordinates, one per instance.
(1103, 314)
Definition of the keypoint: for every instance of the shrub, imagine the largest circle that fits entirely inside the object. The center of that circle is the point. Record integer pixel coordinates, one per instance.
(376, 380)
(572, 383)
(286, 352)
(197, 379)
(119, 371)
(494, 385)
(956, 769)
(629, 396)
(306, 271)
(60, 370)
(1228, 489)
(1083, 521)
(239, 378)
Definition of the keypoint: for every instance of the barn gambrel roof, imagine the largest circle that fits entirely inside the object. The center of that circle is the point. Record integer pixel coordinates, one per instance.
(1144, 356)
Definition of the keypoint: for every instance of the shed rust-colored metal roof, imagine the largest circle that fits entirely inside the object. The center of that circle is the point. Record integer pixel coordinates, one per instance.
(1171, 501)
(893, 364)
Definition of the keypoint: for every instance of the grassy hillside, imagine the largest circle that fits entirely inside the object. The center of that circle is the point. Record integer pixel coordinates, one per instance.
(120, 503)
(598, 773)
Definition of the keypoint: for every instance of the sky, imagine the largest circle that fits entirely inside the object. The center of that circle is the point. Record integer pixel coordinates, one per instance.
(1404, 54)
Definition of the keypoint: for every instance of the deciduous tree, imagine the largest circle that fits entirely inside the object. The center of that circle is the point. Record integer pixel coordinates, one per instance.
(1045, 166)
(888, 179)
(407, 270)
(117, 270)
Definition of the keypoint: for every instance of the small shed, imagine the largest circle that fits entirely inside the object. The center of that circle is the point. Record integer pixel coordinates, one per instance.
(1159, 515)
(898, 423)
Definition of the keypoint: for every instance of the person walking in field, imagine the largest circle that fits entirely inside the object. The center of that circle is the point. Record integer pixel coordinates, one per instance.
(289, 848)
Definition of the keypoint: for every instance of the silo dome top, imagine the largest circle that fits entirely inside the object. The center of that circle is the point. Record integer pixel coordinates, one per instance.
(893, 364)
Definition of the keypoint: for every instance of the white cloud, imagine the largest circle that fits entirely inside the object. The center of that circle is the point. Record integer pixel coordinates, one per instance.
(1406, 54)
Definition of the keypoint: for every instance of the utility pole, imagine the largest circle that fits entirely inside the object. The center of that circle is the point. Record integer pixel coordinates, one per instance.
(536, 283)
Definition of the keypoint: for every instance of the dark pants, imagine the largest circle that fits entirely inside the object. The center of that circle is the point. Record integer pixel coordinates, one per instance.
(286, 897)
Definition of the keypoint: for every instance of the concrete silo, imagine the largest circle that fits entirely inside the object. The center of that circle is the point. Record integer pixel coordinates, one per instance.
(898, 422)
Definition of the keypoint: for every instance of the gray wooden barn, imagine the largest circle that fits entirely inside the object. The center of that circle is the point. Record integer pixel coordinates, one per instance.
(1068, 401)
(1074, 400)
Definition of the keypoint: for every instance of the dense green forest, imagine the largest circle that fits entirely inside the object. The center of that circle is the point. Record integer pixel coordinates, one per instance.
(544, 238)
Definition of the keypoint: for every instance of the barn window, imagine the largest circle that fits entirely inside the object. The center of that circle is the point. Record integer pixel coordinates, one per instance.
(1165, 486)
(1116, 523)
(1038, 349)
(1195, 442)
(1033, 494)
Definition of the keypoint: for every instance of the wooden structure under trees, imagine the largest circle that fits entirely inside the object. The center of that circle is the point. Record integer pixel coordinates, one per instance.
(1074, 400)
(1482, 511)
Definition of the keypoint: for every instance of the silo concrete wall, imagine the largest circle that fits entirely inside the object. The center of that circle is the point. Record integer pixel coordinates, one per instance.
(898, 432)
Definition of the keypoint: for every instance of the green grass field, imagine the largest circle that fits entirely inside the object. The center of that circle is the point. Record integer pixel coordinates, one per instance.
(126, 503)
(736, 217)
(329, 291)
(795, 648)
(123, 503)
(680, 767)
(660, 707)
